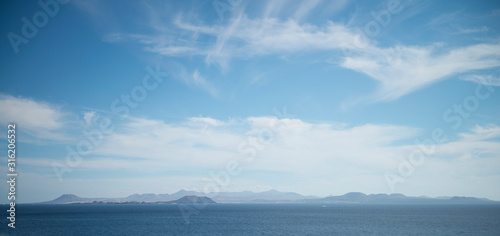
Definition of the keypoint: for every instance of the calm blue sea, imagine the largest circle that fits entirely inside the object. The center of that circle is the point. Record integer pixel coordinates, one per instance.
(255, 219)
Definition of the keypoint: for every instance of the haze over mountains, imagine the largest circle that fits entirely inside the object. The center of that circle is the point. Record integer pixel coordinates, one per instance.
(274, 196)
(190, 199)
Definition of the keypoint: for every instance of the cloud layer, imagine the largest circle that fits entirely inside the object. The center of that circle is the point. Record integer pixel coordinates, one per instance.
(293, 151)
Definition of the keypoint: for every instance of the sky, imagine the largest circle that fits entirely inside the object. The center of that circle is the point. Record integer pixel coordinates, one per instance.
(113, 98)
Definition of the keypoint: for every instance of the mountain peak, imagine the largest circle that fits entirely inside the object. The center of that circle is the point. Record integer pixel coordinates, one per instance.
(185, 192)
(193, 199)
(397, 195)
(272, 191)
(355, 194)
(67, 196)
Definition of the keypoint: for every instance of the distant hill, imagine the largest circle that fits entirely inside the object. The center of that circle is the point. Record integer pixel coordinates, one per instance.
(355, 197)
(260, 197)
(71, 198)
(190, 200)
(150, 197)
(65, 198)
(182, 200)
(271, 196)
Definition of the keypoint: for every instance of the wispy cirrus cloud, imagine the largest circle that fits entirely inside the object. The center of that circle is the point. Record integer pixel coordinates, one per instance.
(473, 30)
(199, 81)
(305, 9)
(206, 121)
(400, 69)
(489, 80)
(192, 78)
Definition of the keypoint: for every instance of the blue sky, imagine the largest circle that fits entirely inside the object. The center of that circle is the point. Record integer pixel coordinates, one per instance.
(315, 97)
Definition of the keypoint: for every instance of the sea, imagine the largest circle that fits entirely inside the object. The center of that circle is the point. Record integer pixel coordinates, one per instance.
(255, 219)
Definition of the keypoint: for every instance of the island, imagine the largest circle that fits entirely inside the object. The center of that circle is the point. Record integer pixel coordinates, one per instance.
(270, 196)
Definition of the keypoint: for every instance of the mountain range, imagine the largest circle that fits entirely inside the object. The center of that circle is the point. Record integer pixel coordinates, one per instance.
(182, 200)
(274, 196)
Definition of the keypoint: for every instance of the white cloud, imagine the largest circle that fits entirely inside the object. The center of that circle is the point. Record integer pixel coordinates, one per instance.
(320, 149)
(445, 19)
(399, 69)
(29, 113)
(206, 121)
(218, 141)
(273, 8)
(402, 70)
(88, 117)
(473, 30)
(202, 83)
(192, 79)
(38, 119)
(243, 37)
(271, 36)
(481, 133)
(172, 50)
(342, 159)
(474, 146)
(178, 144)
(305, 9)
(488, 80)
